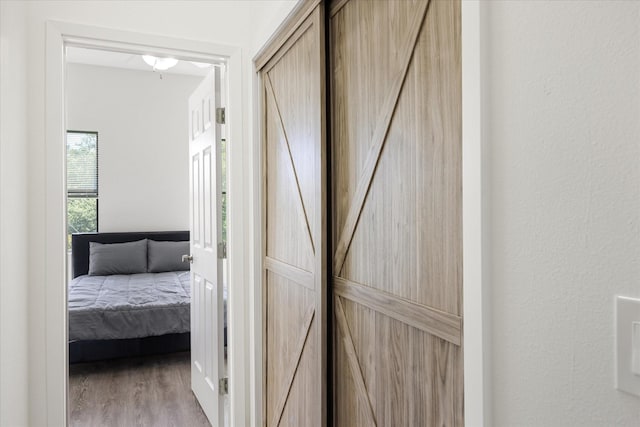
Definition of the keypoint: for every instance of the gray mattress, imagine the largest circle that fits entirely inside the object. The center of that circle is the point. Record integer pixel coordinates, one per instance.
(129, 306)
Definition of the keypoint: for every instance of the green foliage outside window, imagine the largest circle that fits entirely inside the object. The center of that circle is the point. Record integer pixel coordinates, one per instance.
(82, 216)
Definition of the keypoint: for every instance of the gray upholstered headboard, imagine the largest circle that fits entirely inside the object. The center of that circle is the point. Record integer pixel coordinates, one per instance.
(80, 244)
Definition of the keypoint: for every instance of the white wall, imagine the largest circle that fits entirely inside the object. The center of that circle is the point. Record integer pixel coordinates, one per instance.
(142, 125)
(13, 216)
(237, 23)
(563, 132)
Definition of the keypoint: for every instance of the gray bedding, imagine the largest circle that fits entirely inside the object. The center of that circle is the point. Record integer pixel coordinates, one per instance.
(129, 306)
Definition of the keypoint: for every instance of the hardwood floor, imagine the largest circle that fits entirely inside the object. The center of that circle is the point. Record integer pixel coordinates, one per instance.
(148, 391)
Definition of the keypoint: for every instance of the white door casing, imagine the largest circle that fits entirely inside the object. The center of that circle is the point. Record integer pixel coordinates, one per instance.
(51, 354)
(205, 191)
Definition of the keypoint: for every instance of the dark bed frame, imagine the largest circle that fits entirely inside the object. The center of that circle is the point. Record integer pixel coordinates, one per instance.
(91, 350)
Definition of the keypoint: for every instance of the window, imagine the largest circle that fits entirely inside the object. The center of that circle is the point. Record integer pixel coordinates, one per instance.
(82, 182)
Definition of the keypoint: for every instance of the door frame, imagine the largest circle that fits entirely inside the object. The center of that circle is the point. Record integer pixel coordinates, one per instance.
(475, 232)
(475, 224)
(59, 35)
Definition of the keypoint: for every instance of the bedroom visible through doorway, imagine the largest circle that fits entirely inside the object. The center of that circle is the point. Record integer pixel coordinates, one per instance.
(130, 233)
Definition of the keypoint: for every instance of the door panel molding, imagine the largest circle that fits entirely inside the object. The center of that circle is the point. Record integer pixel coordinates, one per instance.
(336, 6)
(293, 273)
(274, 46)
(439, 323)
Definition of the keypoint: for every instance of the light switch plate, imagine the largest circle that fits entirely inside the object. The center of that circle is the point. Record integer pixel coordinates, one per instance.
(628, 345)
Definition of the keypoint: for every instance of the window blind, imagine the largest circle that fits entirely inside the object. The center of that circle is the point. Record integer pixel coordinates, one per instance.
(82, 164)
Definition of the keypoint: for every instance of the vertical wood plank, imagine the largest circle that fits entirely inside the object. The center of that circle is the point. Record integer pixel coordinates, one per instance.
(440, 208)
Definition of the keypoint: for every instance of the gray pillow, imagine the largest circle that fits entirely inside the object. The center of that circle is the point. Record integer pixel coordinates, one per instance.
(117, 258)
(167, 256)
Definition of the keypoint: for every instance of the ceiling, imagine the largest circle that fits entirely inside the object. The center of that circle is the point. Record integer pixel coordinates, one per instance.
(130, 61)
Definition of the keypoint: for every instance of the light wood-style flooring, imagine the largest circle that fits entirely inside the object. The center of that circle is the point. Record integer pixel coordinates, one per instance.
(148, 391)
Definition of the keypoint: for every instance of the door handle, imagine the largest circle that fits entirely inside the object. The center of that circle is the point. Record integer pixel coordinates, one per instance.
(187, 258)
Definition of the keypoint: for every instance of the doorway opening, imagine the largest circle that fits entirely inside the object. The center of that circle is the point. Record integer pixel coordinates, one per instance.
(127, 316)
(83, 144)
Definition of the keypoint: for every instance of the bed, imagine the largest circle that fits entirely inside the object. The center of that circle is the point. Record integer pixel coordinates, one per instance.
(130, 295)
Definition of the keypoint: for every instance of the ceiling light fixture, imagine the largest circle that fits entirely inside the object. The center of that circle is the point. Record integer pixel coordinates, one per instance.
(160, 64)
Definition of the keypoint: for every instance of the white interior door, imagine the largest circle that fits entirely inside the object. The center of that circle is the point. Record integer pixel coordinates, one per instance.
(206, 232)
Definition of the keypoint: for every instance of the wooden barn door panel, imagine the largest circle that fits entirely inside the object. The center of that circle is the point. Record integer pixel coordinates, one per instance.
(294, 219)
(395, 83)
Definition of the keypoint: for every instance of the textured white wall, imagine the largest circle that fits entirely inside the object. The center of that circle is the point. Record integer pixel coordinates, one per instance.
(563, 130)
(13, 216)
(142, 125)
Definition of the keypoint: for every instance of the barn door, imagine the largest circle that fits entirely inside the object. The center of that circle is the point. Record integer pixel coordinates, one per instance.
(395, 89)
(294, 281)
(206, 264)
